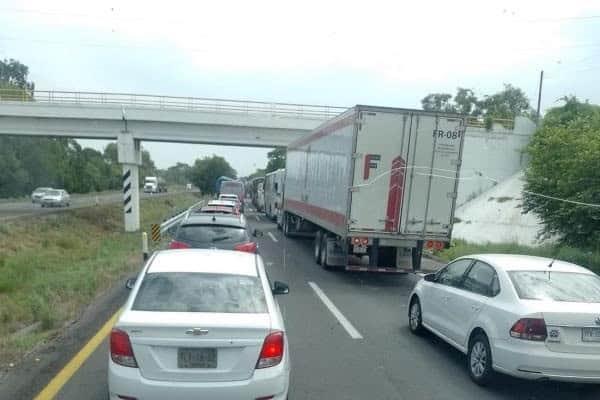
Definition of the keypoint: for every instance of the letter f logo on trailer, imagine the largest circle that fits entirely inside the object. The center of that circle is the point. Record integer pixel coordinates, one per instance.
(371, 162)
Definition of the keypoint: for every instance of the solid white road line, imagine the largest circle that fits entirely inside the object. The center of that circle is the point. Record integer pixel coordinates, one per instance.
(354, 334)
(273, 238)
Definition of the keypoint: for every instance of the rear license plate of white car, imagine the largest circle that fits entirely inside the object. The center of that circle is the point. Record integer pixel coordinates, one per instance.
(590, 334)
(196, 357)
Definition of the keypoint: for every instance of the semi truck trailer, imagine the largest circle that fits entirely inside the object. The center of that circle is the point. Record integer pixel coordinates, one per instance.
(375, 185)
(273, 188)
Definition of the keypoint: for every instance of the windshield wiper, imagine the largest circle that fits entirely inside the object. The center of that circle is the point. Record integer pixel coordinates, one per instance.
(220, 238)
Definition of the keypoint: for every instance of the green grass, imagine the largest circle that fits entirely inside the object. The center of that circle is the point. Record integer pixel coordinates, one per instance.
(589, 258)
(51, 267)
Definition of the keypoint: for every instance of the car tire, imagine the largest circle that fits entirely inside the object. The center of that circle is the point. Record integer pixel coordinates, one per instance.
(323, 257)
(479, 359)
(415, 317)
(317, 247)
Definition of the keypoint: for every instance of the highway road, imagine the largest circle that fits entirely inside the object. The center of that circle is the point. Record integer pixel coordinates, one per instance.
(16, 209)
(372, 355)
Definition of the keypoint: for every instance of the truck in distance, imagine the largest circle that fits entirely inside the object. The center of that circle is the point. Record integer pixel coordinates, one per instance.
(373, 185)
(153, 184)
(273, 193)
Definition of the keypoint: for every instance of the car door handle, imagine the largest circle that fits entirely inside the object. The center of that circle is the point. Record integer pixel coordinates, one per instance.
(475, 308)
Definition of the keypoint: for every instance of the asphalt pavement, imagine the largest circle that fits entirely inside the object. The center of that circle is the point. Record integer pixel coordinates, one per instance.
(329, 361)
(16, 209)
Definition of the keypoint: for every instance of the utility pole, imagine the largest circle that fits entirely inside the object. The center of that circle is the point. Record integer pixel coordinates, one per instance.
(537, 118)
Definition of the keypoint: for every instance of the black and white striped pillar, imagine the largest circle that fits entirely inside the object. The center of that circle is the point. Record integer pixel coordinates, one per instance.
(127, 207)
(131, 200)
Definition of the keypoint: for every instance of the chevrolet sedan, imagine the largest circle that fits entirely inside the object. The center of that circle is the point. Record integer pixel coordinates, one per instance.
(200, 324)
(529, 317)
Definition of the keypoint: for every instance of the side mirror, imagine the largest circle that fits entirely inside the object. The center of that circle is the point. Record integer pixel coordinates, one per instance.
(257, 233)
(280, 288)
(130, 283)
(430, 277)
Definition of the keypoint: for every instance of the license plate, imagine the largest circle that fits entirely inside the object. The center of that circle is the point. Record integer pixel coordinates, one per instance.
(195, 357)
(590, 334)
(357, 248)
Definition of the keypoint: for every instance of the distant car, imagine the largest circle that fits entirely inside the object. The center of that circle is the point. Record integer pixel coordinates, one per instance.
(230, 204)
(234, 198)
(37, 194)
(206, 231)
(56, 198)
(529, 317)
(200, 324)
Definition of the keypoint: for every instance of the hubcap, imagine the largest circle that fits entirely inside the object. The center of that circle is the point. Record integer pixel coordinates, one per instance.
(415, 315)
(478, 359)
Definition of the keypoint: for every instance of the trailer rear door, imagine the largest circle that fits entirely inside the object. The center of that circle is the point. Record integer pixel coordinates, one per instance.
(379, 170)
(433, 177)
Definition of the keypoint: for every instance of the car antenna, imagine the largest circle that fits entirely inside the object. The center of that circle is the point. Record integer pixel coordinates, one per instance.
(214, 218)
(550, 266)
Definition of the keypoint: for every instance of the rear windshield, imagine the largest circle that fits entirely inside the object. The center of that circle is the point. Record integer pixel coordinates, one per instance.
(211, 234)
(196, 292)
(556, 286)
(53, 192)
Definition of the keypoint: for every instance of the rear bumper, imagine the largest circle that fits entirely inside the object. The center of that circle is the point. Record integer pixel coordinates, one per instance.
(535, 361)
(126, 381)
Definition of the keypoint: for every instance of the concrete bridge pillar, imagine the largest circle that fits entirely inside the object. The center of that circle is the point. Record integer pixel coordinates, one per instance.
(130, 157)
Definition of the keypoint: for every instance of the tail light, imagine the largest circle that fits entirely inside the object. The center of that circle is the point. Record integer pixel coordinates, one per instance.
(360, 241)
(249, 247)
(121, 351)
(529, 329)
(178, 245)
(272, 351)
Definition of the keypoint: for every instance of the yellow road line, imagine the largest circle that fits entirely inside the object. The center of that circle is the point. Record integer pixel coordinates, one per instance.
(76, 362)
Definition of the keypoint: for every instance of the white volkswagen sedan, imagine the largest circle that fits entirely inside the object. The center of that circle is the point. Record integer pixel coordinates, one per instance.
(529, 317)
(200, 324)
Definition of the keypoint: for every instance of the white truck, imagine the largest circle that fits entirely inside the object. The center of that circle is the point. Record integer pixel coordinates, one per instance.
(373, 185)
(153, 184)
(273, 191)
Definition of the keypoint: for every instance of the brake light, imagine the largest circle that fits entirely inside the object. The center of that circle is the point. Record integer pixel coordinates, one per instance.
(529, 329)
(121, 351)
(272, 351)
(249, 247)
(178, 245)
(360, 241)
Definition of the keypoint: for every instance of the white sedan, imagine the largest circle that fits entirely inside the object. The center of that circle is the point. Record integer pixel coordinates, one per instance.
(528, 317)
(200, 324)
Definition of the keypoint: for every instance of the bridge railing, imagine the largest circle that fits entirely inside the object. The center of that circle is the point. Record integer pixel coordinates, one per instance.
(173, 103)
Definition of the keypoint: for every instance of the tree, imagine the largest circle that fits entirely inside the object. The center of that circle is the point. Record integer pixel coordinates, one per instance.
(565, 159)
(276, 159)
(466, 102)
(205, 171)
(13, 80)
(506, 104)
(177, 174)
(438, 102)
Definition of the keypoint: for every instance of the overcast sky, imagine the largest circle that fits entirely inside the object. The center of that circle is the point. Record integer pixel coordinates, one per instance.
(388, 53)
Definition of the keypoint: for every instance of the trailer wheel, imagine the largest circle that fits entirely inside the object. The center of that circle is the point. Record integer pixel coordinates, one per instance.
(323, 257)
(317, 245)
(286, 225)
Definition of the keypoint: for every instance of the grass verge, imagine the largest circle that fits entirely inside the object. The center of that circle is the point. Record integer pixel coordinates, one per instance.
(52, 266)
(589, 258)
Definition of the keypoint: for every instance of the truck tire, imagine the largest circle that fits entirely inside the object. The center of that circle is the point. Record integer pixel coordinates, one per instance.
(286, 225)
(323, 257)
(317, 245)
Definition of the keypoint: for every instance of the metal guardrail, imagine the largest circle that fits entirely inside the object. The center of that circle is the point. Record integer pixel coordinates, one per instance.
(133, 100)
(173, 220)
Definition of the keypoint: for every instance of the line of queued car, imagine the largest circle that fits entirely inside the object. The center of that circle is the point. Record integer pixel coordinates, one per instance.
(49, 197)
(201, 320)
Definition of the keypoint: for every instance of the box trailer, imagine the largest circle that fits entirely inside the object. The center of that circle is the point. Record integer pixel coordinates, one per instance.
(273, 189)
(373, 185)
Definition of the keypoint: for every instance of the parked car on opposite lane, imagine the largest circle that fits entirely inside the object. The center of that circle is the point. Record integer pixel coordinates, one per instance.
(37, 194)
(206, 231)
(529, 317)
(56, 198)
(200, 324)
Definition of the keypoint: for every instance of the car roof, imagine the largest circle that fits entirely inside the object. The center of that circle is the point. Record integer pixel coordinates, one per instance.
(228, 195)
(517, 262)
(208, 261)
(221, 203)
(215, 219)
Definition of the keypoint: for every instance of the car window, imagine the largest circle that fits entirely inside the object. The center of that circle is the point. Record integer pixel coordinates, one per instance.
(195, 292)
(556, 286)
(452, 275)
(211, 234)
(482, 279)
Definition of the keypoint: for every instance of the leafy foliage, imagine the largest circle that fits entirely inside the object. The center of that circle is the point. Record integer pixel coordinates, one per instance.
(565, 163)
(276, 159)
(205, 172)
(178, 174)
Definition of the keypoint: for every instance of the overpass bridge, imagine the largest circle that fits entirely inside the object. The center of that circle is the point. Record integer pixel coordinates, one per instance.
(131, 118)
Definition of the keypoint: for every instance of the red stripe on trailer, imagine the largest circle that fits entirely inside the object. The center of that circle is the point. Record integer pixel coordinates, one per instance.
(395, 194)
(333, 217)
(326, 130)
